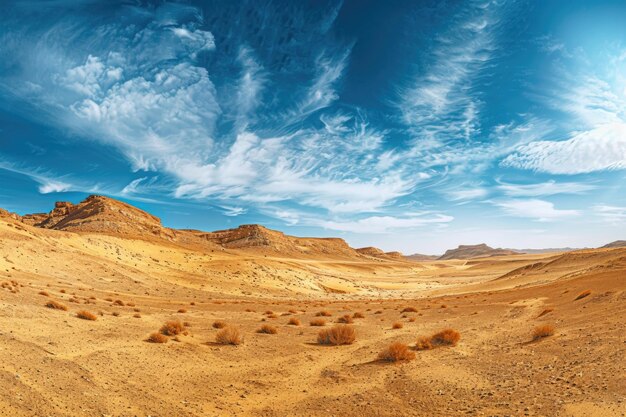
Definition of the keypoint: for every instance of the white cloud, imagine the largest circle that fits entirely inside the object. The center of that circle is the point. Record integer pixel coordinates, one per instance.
(233, 211)
(535, 209)
(601, 148)
(467, 194)
(385, 224)
(544, 189)
(611, 214)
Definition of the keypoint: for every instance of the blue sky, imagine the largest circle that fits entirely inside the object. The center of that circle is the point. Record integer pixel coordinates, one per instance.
(412, 126)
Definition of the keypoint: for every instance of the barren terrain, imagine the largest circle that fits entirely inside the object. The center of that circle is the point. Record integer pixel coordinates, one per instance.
(136, 275)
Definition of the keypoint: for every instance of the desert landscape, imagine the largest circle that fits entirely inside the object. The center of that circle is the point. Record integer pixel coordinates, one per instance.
(105, 312)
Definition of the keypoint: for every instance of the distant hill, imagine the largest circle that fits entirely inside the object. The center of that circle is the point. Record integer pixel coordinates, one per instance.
(616, 244)
(379, 253)
(420, 257)
(543, 250)
(475, 251)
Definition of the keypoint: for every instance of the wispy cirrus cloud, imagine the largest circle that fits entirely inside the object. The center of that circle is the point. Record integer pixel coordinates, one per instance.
(386, 224)
(536, 209)
(547, 188)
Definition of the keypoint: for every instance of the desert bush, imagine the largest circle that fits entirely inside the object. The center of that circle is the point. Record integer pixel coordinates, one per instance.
(137, 315)
(546, 311)
(292, 311)
(56, 305)
(583, 294)
(358, 315)
(182, 310)
(219, 324)
(423, 343)
(447, 337)
(294, 321)
(324, 313)
(172, 328)
(396, 352)
(229, 336)
(318, 322)
(347, 319)
(86, 315)
(272, 316)
(340, 334)
(378, 312)
(268, 329)
(412, 319)
(44, 293)
(397, 325)
(409, 310)
(268, 312)
(543, 331)
(156, 338)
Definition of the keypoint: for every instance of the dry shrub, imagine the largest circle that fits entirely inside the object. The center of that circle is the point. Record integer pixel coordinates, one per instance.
(193, 303)
(546, 311)
(63, 291)
(267, 329)
(137, 315)
(229, 336)
(130, 304)
(447, 337)
(294, 321)
(412, 319)
(56, 305)
(44, 293)
(268, 312)
(115, 314)
(324, 313)
(340, 334)
(358, 315)
(86, 315)
(397, 325)
(423, 343)
(182, 310)
(583, 294)
(172, 328)
(347, 319)
(396, 352)
(118, 303)
(409, 310)
(136, 310)
(444, 306)
(292, 311)
(272, 316)
(156, 338)
(378, 312)
(318, 322)
(219, 324)
(543, 331)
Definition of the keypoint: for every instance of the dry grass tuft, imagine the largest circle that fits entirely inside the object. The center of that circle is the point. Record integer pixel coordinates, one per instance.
(182, 310)
(86, 315)
(583, 294)
(294, 321)
(272, 316)
(219, 324)
(397, 325)
(268, 329)
(396, 352)
(340, 334)
(546, 311)
(409, 310)
(229, 336)
(423, 343)
(172, 328)
(347, 319)
(56, 305)
(543, 331)
(447, 337)
(318, 322)
(137, 315)
(156, 338)
(358, 315)
(324, 313)
(378, 312)
(412, 319)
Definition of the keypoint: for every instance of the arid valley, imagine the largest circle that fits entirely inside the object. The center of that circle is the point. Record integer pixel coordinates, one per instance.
(116, 267)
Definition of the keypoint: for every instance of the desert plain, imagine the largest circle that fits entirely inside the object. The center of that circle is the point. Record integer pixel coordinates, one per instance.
(132, 275)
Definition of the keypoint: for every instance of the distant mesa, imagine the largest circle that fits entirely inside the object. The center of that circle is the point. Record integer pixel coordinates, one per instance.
(421, 257)
(379, 253)
(616, 244)
(475, 251)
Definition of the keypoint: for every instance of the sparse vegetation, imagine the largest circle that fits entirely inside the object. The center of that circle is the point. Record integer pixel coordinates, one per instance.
(229, 336)
(347, 319)
(318, 322)
(294, 321)
(397, 325)
(546, 311)
(446, 337)
(582, 295)
(219, 324)
(324, 313)
(540, 332)
(396, 352)
(44, 293)
(358, 315)
(86, 315)
(172, 328)
(341, 334)
(182, 310)
(423, 343)
(156, 338)
(409, 310)
(268, 329)
(118, 303)
(56, 305)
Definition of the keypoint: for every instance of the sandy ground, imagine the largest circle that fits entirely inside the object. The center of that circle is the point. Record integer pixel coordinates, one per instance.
(55, 364)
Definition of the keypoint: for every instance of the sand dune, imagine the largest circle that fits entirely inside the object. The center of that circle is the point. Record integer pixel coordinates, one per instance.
(122, 265)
